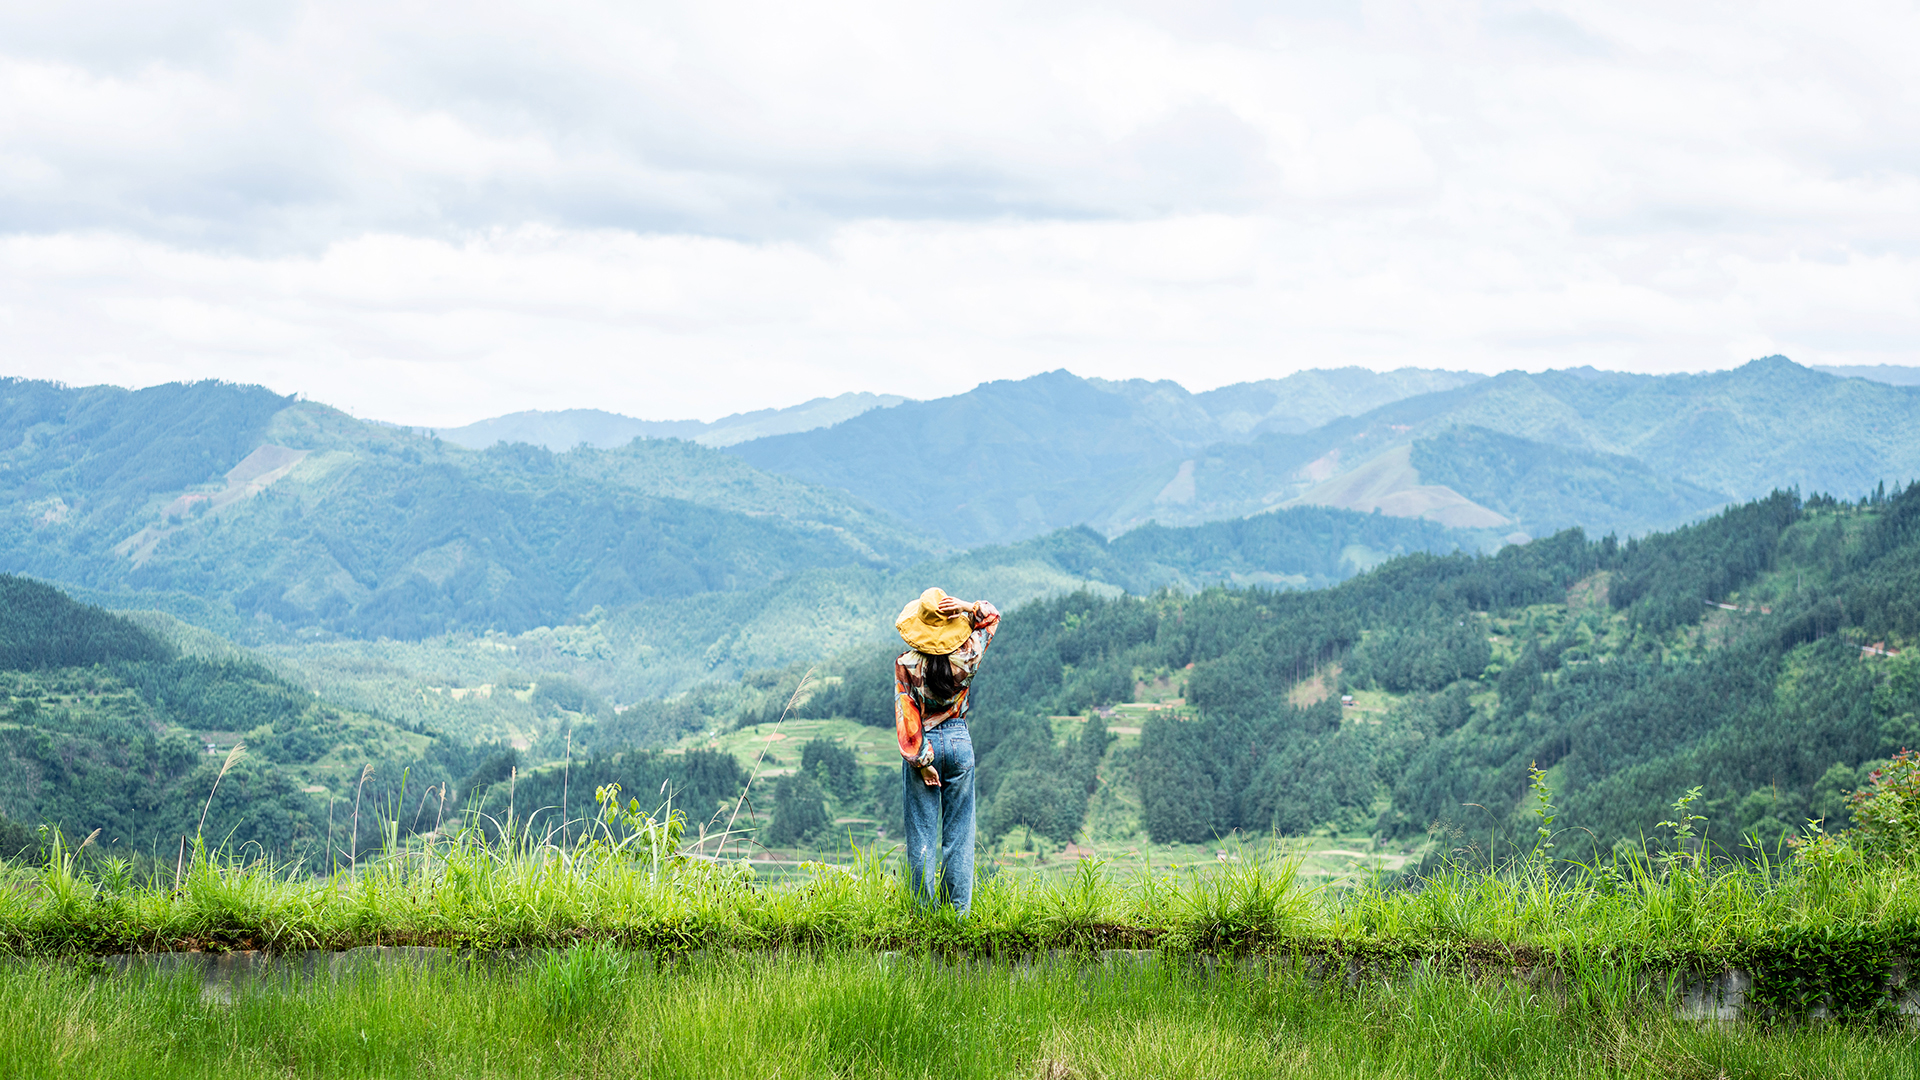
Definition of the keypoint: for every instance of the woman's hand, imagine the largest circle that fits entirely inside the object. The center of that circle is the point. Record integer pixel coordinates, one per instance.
(930, 775)
(950, 607)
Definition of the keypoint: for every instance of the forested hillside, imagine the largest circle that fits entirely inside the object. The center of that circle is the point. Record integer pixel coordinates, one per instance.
(1728, 655)
(104, 725)
(665, 646)
(83, 463)
(1764, 655)
(1640, 452)
(290, 518)
(1544, 488)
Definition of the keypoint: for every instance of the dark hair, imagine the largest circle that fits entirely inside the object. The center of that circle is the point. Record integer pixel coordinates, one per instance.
(942, 686)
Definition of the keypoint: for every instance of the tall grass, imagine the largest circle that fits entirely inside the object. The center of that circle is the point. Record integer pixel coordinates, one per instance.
(1825, 928)
(592, 1011)
(632, 880)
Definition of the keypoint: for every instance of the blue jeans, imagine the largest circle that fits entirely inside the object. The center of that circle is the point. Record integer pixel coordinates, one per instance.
(950, 807)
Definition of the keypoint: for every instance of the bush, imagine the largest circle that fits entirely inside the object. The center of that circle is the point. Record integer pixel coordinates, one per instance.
(833, 766)
(888, 793)
(1886, 813)
(18, 841)
(558, 692)
(799, 811)
(1047, 802)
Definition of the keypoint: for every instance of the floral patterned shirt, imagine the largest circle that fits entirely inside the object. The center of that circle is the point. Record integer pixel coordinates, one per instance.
(915, 709)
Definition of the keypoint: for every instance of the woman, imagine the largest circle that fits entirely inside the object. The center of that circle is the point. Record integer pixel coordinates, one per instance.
(945, 640)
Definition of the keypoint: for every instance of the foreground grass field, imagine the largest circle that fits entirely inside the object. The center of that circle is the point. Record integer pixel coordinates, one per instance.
(596, 1011)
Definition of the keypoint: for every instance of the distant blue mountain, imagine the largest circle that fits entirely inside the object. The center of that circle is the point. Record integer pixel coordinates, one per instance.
(1012, 459)
(1890, 374)
(567, 428)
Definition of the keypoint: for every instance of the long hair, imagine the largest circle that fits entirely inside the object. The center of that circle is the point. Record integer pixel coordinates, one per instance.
(942, 685)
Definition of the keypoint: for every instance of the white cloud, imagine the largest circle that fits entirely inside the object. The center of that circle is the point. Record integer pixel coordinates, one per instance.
(434, 213)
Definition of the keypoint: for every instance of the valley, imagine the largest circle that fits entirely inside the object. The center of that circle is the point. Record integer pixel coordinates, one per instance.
(1412, 649)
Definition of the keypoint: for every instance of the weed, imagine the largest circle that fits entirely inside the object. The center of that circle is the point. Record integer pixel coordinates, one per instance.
(584, 979)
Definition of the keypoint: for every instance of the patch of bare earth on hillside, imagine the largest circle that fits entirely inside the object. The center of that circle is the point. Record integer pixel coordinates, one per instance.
(1589, 592)
(1389, 483)
(1315, 688)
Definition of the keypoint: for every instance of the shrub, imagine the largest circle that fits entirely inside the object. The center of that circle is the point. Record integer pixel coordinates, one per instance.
(832, 765)
(1886, 812)
(18, 841)
(799, 810)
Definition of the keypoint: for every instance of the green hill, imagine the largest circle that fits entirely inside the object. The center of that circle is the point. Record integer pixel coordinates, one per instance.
(106, 724)
(290, 517)
(1770, 655)
(1717, 437)
(665, 646)
(1543, 488)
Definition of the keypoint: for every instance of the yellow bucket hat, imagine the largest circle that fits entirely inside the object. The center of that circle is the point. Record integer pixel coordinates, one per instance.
(925, 630)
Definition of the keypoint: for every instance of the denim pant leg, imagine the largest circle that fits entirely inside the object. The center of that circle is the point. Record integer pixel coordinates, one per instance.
(949, 808)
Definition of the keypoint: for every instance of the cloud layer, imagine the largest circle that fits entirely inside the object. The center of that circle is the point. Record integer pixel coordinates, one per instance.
(435, 213)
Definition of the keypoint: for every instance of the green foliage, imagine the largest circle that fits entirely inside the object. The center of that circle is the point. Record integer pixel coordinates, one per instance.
(1665, 579)
(583, 981)
(887, 795)
(41, 627)
(555, 798)
(832, 766)
(116, 746)
(1289, 771)
(863, 693)
(799, 811)
(496, 768)
(1684, 851)
(556, 693)
(1313, 545)
(18, 841)
(1544, 811)
(1886, 812)
(649, 722)
(104, 452)
(1544, 488)
(830, 1013)
(1424, 657)
(1840, 969)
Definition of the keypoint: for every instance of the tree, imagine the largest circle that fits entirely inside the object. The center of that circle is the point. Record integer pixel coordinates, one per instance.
(832, 766)
(799, 811)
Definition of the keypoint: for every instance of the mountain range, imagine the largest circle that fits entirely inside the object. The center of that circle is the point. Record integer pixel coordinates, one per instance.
(655, 563)
(565, 429)
(1606, 450)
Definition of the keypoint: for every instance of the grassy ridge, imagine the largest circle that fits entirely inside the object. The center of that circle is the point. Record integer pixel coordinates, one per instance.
(594, 1012)
(629, 887)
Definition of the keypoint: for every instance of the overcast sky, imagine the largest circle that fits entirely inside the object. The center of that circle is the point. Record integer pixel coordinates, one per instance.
(436, 213)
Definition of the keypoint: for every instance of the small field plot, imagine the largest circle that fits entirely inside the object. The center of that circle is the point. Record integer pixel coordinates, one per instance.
(780, 743)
